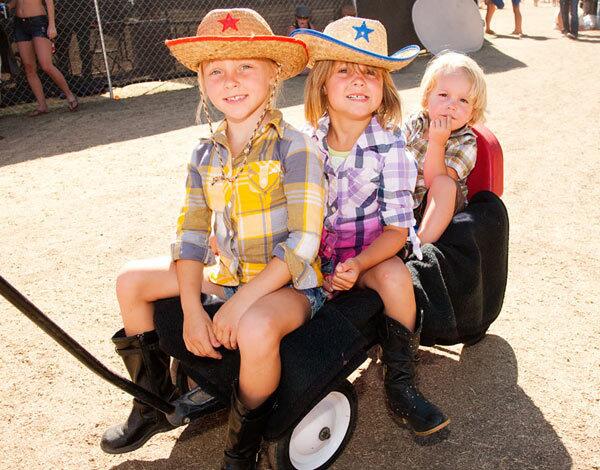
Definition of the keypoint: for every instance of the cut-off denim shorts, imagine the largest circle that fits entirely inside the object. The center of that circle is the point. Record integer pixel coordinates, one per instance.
(25, 29)
(316, 296)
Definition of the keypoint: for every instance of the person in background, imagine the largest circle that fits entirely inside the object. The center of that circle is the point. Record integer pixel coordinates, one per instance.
(34, 31)
(491, 8)
(348, 9)
(302, 19)
(570, 18)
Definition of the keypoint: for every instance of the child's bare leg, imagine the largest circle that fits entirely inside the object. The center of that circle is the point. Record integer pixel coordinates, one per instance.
(441, 201)
(399, 336)
(391, 279)
(27, 54)
(260, 332)
(140, 283)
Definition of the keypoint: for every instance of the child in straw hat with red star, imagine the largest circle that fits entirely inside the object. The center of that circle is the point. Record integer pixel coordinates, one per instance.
(262, 183)
(354, 108)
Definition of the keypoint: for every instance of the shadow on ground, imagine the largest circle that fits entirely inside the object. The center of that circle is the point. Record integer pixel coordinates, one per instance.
(107, 121)
(494, 423)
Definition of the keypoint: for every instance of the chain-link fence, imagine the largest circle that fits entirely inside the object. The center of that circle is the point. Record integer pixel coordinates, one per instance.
(103, 43)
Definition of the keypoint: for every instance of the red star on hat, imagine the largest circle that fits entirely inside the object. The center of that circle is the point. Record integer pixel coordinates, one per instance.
(229, 22)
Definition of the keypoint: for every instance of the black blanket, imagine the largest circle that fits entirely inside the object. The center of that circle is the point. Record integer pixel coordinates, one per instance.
(461, 280)
(459, 285)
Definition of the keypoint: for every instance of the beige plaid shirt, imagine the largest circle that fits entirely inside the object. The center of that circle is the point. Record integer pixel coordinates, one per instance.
(461, 152)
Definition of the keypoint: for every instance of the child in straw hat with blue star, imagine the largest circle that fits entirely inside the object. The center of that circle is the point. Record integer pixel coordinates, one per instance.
(354, 108)
(262, 182)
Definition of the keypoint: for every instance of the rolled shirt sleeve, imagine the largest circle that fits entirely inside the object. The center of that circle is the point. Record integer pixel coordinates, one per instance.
(397, 184)
(461, 155)
(304, 187)
(193, 223)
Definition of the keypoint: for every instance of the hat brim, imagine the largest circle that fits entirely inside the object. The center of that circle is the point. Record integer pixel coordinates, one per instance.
(290, 53)
(324, 47)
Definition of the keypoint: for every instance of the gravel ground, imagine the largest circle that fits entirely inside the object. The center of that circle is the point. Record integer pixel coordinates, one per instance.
(82, 193)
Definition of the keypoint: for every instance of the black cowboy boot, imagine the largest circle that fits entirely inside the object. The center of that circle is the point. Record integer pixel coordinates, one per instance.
(148, 367)
(244, 433)
(399, 349)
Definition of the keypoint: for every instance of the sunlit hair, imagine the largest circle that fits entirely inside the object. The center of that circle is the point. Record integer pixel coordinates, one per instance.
(389, 113)
(204, 102)
(448, 62)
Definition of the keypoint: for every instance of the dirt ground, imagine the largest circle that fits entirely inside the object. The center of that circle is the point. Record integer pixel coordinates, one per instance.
(81, 193)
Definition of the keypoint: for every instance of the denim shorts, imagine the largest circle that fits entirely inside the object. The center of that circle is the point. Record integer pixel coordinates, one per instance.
(500, 3)
(25, 29)
(316, 296)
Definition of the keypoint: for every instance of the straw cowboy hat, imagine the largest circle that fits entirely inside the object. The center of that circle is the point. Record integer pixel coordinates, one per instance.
(353, 39)
(239, 33)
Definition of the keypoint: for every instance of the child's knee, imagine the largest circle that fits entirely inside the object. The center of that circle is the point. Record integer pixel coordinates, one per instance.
(129, 280)
(391, 276)
(257, 334)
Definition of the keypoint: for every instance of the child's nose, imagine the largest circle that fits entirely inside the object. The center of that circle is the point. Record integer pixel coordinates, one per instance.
(231, 81)
(358, 78)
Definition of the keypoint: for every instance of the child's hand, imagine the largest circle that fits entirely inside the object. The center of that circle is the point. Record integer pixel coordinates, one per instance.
(439, 130)
(226, 320)
(198, 334)
(328, 286)
(212, 242)
(345, 274)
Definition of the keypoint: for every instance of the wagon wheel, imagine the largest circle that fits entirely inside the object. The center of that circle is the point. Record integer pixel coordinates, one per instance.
(321, 436)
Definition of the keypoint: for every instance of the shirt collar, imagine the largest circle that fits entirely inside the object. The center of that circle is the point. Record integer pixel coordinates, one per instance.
(372, 136)
(273, 118)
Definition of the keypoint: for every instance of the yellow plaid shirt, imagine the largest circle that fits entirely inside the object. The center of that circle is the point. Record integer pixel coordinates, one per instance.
(274, 208)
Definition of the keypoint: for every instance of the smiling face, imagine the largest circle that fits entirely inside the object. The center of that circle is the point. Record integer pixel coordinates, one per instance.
(353, 91)
(451, 96)
(239, 88)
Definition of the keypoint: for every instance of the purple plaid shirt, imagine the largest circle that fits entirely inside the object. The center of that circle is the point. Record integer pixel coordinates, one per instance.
(372, 188)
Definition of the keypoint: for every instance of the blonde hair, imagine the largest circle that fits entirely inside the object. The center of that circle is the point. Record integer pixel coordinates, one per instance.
(389, 113)
(448, 62)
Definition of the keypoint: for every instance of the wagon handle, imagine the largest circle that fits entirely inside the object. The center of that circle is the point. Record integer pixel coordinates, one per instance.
(79, 352)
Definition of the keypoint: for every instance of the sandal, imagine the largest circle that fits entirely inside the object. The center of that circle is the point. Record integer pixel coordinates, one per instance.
(37, 112)
(73, 104)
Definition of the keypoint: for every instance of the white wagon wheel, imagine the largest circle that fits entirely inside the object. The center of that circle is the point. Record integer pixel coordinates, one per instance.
(321, 436)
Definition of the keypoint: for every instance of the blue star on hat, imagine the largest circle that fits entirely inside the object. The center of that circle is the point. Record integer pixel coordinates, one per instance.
(362, 31)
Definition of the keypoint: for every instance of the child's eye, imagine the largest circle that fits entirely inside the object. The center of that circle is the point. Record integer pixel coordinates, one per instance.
(372, 73)
(443, 94)
(214, 72)
(464, 100)
(245, 66)
(343, 70)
